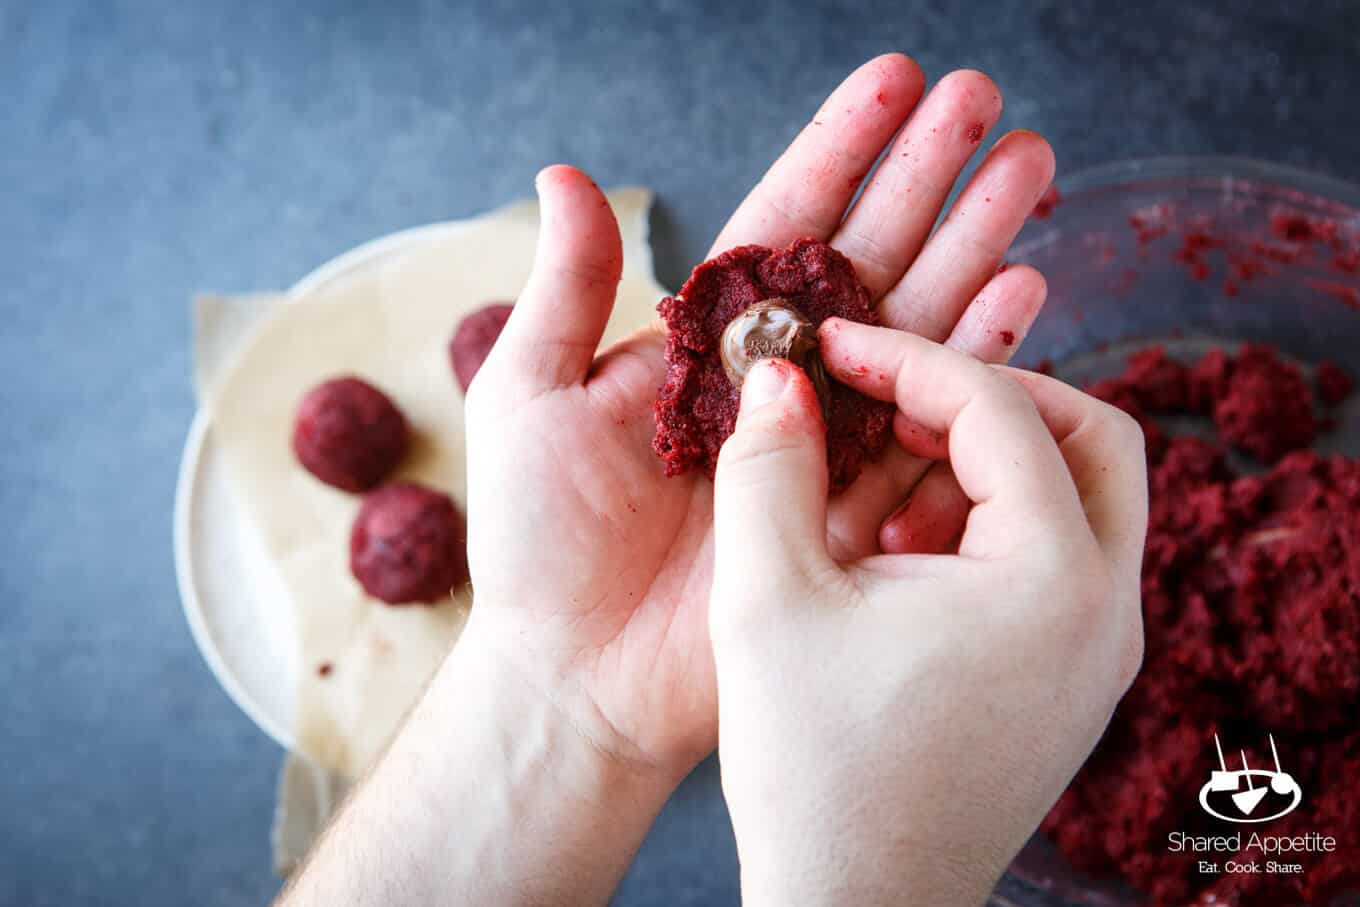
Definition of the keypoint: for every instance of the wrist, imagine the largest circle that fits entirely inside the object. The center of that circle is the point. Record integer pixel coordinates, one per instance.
(537, 695)
(504, 790)
(490, 793)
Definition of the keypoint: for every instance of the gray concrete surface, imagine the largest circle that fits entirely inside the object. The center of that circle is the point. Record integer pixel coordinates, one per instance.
(151, 150)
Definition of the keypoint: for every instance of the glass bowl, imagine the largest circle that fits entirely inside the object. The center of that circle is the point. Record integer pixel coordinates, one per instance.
(1191, 252)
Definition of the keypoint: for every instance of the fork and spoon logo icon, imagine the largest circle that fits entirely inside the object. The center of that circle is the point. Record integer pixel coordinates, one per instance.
(1242, 791)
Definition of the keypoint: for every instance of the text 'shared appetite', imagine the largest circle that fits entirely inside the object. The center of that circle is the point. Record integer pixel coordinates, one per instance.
(1251, 607)
(696, 409)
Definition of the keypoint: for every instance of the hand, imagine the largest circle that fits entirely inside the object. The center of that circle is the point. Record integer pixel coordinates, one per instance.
(583, 687)
(895, 726)
(591, 568)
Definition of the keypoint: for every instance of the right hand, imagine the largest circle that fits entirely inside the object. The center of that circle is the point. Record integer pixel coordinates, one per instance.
(895, 727)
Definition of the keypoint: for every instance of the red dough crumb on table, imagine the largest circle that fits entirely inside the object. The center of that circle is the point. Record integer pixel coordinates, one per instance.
(696, 408)
(349, 434)
(1251, 611)
(1043, 208)
(473, 338)
(408, 544)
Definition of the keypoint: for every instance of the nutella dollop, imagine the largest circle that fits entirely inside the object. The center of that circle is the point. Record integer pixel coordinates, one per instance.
(772, 328)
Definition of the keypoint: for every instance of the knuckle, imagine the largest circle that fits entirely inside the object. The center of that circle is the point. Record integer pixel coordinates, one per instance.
(1095, 621)
(984, 247)
(1131, 651)
(759, 445)
(1124, 430)
(589, 273)
(1081, 589)
(867, 249)
(916, 307)
(782, 209)
(1004, 391)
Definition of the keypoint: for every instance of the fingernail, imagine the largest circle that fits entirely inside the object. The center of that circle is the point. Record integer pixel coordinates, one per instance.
(764, 383)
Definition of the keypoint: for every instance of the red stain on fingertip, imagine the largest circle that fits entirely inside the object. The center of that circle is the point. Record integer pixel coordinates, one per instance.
(1008, 338)
(975, 133)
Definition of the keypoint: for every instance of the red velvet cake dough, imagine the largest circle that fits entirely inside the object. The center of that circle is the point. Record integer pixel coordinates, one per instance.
(696, 409)
(1251, 613)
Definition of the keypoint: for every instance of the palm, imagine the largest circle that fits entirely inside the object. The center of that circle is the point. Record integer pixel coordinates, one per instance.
(617, 580)
(628, 547)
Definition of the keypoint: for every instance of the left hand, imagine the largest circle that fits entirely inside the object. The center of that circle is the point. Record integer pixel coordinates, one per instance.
(592, 569)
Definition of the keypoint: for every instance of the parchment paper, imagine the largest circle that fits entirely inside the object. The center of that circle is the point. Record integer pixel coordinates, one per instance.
(388, 323)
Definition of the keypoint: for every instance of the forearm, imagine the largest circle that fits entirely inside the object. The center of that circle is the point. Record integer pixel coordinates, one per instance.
(863, 874)
(840, 851)
(491, 794)
(821, 825)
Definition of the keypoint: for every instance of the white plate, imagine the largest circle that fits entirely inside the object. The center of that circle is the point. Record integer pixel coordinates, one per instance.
(232, 594)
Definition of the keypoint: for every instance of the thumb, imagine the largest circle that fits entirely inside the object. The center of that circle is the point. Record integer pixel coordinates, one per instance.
(769, 509)
(557, 322)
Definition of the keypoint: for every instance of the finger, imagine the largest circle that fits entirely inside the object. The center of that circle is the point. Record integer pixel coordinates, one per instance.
(1000, 449)
(964, 252)
(1103, 447)
(931, 520)
(889, 223)
(854, 516)
(770, 487)
(996, 321)
(557, 322)
(806, 191)
(992, 328)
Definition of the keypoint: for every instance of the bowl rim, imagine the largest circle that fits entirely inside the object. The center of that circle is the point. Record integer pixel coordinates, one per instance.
(1209, 166)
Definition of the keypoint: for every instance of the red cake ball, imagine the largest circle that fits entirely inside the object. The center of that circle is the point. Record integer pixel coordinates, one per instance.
(408, 545)
(349, 434)
(473, 338)
(773, 299)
